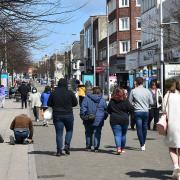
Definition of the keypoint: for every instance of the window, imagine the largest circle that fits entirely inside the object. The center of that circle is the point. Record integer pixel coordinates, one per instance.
(123, 3)
(124, 24)
(138, 2)
(138, 44)
(124, 47)
(138, 23)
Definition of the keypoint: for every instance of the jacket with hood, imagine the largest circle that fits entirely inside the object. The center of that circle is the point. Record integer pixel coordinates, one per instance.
(2, 91)
(44, 98)
(95, 104)
(62, 100)
(119, 111)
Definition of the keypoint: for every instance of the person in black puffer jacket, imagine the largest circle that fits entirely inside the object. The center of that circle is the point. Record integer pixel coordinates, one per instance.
(119, 108)
(62, 100)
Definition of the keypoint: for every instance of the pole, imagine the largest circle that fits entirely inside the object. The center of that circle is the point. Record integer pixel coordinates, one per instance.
(94, 62)
(161, 48)
(108, 84)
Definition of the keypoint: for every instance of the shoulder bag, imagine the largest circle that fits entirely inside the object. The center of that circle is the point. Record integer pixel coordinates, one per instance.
(162, 124)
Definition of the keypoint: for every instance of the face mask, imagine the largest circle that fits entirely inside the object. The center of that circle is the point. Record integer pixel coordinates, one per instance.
(34, 91)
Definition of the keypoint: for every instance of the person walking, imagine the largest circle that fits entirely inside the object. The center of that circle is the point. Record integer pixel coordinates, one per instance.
(34, 98)
(141, 99)
(23, 90)
(81, 93)
(62, 100)
(171, 106)
(44, 100)
(2, 96)
(119, 108)
(93, 105)
(157, 102)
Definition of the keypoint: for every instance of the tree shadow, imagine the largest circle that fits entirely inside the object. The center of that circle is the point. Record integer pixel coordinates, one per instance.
(151, 173)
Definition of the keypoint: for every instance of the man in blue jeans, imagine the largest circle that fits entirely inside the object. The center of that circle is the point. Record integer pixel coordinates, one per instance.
(23, 130)
(141, 98)
(62, 100)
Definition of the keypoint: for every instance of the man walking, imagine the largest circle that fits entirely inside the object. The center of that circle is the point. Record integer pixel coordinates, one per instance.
(141, 99)
(23, 90)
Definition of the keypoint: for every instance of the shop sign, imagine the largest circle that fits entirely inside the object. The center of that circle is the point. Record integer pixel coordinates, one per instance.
(172, 70)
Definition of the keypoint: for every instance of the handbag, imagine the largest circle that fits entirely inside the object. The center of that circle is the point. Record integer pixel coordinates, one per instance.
(90, 117)
(162, 124)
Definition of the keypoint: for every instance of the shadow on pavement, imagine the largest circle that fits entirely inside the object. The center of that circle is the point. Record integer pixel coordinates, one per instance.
(147, 139)
(127, 147)
(51, 153)
(100, 150)
(150, 173)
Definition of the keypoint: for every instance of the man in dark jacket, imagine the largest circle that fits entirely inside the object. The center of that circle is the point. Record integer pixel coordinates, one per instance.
(62, 100)
(23, 90)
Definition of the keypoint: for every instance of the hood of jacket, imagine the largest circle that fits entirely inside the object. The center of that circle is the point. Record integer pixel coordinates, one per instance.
(95, 97)
(63, 83)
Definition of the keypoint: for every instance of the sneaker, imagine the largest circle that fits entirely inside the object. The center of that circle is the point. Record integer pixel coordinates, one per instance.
(37, 120)
(176, 174)
(143, 148)
(118, 151)
(88, 148)
(96, 150)
(67, 151)
(58, 154)
(11, 140)
(123, 151)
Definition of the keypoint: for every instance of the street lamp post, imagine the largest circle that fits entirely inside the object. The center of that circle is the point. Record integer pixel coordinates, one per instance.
(162, 44)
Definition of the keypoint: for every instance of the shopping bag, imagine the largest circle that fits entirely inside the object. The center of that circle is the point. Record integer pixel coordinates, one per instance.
(48, 114)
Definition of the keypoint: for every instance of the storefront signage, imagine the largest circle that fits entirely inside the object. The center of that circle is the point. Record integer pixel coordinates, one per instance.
(172, 70)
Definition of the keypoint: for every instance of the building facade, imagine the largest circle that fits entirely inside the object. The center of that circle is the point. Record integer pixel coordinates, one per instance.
(124, 18)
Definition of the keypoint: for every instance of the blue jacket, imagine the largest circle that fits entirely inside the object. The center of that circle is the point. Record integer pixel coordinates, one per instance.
(89, 105)
(44, 99)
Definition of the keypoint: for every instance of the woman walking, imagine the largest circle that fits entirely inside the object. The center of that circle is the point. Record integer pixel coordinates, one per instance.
(44, 100)
(62, 100)
(2, 96)
(155, 107)
(93, 114)
(172, 99)
(34, 98)
(119, 108)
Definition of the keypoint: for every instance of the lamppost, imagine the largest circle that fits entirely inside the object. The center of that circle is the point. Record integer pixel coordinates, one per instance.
(162, 24)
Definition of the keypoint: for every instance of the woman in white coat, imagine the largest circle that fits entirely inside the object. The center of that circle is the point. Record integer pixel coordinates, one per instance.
(171, 106)
(35, 99)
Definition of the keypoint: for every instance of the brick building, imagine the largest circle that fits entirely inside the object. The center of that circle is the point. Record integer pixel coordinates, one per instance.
(124, 34)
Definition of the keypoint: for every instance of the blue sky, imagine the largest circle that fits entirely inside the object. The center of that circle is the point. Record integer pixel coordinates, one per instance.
(59, 37)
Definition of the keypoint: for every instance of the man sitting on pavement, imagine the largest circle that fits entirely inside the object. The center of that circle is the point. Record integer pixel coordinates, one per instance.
(23, 130)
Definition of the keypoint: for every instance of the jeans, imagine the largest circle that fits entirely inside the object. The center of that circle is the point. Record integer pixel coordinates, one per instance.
(93, 136)
(21, 136)
(153, 113)
(61, 121)
(119, 132)
(23, 102)
(35, 112)
(141, 119)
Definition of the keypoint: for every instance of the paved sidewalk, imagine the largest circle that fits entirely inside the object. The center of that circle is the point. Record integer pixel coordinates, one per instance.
(15, 161)
(153, 164)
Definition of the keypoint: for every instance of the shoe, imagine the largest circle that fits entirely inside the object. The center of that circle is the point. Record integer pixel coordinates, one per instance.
(25, 142)
(37, 120)
(12, 141)
(143, 148)
(88, 149)
(176, 174)
(118, 151)
(96, 150)
(58, 154)
(123, 151)
(67, 151)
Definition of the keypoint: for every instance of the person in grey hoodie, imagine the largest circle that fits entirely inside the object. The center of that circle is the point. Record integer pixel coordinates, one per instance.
(141, 99)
